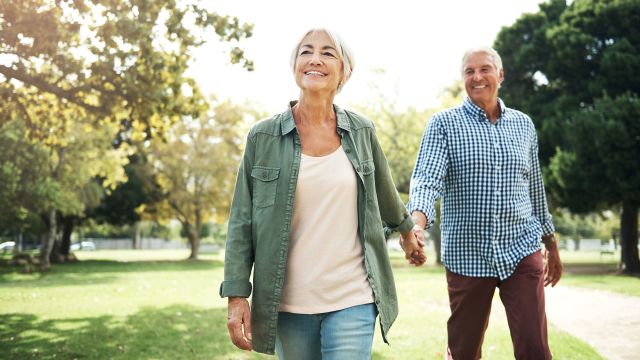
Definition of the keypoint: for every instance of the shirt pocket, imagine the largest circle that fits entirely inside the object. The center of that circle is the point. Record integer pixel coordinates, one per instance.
(366, 171)
(264, 185)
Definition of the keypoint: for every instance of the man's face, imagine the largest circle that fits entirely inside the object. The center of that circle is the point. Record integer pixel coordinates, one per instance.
(481, 79)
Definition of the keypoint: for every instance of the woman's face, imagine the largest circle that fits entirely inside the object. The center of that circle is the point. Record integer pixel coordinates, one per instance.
(318, 67)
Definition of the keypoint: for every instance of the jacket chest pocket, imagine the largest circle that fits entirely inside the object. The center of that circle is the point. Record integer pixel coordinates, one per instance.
(366, 171)
(264, 185)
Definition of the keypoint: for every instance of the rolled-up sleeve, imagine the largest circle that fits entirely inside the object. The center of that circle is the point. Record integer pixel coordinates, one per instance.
(392, 210)
(536, 189)
(239, 255)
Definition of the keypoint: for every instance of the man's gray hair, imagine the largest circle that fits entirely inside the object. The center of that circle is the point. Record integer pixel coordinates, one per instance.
(344, 52)
(493, 55)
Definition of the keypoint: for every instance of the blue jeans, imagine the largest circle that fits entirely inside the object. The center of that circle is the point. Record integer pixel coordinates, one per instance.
(342, 334)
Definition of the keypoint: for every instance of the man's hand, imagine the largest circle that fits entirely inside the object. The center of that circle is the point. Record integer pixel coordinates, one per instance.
(239, 322)
(553, 266)
(412, 242)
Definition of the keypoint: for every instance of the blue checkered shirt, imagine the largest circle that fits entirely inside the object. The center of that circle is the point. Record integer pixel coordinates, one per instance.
(493, 209)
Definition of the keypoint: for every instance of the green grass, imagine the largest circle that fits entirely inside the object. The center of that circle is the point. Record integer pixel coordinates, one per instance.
(151, 305)
(590, 269)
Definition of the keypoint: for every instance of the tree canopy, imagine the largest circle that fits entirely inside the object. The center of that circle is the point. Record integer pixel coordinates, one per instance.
(91, 80)
(574, 69)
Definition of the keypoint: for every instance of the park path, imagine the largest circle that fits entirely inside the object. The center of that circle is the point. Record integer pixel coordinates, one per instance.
(607, 321)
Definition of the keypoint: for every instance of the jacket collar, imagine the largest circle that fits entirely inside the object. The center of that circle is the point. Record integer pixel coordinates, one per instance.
(288, 123)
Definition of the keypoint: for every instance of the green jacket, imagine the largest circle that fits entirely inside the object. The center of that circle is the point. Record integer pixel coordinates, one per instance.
(260, 219)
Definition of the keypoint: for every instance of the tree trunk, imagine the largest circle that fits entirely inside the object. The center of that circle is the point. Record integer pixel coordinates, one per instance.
(436, 235)
(47, 242)
(137, 238)
(193, 235)
(629, 238)
(194, 238)
(194, 241)
(67, 230)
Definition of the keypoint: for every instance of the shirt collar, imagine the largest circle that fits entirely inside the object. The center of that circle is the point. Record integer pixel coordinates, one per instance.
(477, 112)
(288, 123)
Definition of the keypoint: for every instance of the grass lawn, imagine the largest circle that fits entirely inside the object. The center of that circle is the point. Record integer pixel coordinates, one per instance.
(590, 269)
(152, 305)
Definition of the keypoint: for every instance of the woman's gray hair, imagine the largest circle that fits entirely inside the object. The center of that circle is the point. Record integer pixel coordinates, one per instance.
(344, 52)
(493, 55)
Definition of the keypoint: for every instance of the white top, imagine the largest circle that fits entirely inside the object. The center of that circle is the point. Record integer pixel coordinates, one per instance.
(325, 267)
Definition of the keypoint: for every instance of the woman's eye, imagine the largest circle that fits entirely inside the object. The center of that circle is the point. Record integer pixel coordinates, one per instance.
(328, 54)
(305, 52)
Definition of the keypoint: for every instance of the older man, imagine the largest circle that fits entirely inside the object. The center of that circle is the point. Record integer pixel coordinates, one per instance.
(481, 158)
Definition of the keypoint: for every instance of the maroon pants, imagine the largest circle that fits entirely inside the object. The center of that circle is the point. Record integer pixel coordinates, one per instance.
(522, 294)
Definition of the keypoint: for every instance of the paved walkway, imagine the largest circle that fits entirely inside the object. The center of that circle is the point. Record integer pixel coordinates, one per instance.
(607, 321)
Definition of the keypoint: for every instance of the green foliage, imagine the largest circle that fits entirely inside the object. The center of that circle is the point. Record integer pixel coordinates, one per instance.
(91, 229)
(590, 226)
(192, 168)
(603, 149)
(574, 69)
(23, 185)
(116, 59)
(124, 204)
(399, 132)
(92, 78)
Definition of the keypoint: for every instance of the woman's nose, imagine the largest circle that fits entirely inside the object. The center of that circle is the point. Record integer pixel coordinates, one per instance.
(315, 59)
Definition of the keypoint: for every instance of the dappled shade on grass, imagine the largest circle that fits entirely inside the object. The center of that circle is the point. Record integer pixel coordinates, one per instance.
(172, 332)
(103, 308)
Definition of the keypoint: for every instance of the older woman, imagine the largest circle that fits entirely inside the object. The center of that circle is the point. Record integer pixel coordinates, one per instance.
(312, 194)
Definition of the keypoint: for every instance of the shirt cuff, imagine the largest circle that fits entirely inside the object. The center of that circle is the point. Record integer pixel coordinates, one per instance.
(241, 288)
(548, 228)
(405, 226)
(429, 213)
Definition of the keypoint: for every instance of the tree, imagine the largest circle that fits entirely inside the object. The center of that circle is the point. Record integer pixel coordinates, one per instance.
(399, 131)
(23, 185)
(101, 64)
(110, 55)
(574, 69)
(195, 167)
(125, 205)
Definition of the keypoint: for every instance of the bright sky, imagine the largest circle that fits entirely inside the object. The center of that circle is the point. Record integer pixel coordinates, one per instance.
(417, 43)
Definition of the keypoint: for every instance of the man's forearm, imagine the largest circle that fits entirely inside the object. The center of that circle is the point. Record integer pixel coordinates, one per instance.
(419, 219)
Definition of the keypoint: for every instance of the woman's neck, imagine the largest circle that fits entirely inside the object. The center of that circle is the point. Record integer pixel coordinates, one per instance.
(314, 110)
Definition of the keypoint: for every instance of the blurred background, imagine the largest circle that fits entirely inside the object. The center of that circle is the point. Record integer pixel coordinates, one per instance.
(122, 122)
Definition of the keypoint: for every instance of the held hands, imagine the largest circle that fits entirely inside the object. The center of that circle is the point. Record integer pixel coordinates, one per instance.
(239, 322)
(412, 242)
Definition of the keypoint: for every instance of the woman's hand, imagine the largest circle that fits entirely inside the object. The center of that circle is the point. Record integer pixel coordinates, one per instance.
(239, 322)
(412, 242)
